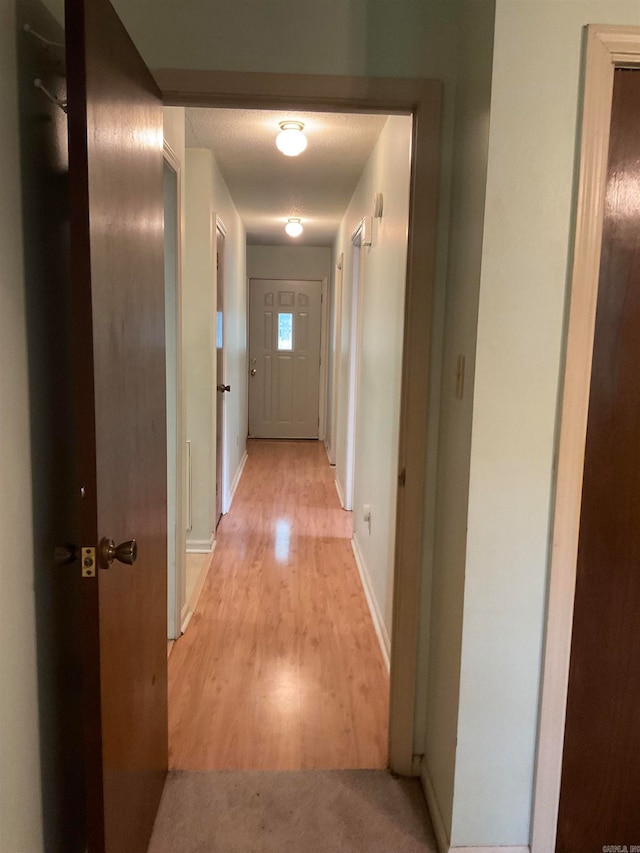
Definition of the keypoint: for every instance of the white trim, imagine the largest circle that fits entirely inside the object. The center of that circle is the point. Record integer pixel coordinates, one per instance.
(607, 47)
(220, 226)
(323, 379)
(376, 616)
(236, 480)
(336, 343)
(190, 606)
(518, 848)
(179, 580)
(201, 546)
(220, 399)
(339, 491)
(437, 821)
(327, 450)
(355, 337)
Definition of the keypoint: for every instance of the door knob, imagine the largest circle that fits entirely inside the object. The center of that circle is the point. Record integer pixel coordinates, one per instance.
(126, 552)
(253, 371)
(223, 388)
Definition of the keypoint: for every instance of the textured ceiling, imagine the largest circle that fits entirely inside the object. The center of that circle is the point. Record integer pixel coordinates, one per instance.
(268, 187)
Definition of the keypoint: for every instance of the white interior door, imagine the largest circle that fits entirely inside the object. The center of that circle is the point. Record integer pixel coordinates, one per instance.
(284, 358)
(220, 373)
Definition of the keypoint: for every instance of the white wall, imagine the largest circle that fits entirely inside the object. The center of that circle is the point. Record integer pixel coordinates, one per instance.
(295, 262)
(206, 196)
(20, 803)
(235, 328)
(525, 270)
(199, 310)
(382, 319)
(327, 37)
(473, 53)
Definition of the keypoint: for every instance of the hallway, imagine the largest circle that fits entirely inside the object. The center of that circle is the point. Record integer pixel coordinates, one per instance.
(280, 668)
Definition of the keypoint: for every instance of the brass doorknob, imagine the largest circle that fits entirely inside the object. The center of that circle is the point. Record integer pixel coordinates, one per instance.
(126, 552)
(223, 388)
(253, 371)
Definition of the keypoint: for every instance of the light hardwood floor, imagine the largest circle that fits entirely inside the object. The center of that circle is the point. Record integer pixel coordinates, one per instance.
(280, 668)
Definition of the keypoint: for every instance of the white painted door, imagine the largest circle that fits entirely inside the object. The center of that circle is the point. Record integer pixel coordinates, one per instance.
(284, 358)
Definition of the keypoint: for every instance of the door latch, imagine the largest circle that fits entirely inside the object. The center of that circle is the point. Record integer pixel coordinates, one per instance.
(65, 555)
(88, 558)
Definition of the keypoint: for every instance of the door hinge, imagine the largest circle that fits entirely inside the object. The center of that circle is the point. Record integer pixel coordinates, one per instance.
(402, 477)
(88, 557)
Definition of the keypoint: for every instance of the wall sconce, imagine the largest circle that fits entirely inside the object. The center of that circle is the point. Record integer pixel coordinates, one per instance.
(291, 140)
(293, 227)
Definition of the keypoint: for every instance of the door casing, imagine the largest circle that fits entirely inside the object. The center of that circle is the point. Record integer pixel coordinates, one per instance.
(330, 439)
(220, 438)
(355, 347)
(422, 99)
(177, 578)
(608, 47)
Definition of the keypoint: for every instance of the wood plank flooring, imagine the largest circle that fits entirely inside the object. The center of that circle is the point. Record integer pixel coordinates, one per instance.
(280, 668)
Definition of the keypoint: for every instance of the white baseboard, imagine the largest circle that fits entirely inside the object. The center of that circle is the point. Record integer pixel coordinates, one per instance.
(437, 821)
(236, 480)
(376, 615)
(340, 493)
(507, 848)
(332, 462)
(201, 546)
(190, 606)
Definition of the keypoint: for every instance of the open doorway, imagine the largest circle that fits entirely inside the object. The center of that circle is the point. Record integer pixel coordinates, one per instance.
(296, 612)
(422, 100)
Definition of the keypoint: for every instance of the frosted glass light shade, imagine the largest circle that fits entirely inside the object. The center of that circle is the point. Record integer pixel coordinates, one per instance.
(291, 140)
(293, 228)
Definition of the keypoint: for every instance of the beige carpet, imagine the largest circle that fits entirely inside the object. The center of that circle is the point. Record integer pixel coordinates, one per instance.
(315, 811)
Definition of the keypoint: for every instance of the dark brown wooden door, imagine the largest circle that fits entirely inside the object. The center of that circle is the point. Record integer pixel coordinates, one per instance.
(115, 172)
(600, 791)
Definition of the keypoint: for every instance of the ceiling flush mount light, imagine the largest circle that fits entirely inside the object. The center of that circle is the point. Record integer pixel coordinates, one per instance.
(293, 227)
(291, 140)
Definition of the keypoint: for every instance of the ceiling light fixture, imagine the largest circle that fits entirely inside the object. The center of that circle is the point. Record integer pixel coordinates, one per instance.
(291, 140)
(293, 227)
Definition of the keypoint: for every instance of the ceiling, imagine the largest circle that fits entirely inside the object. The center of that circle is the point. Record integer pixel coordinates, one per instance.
(268, 187)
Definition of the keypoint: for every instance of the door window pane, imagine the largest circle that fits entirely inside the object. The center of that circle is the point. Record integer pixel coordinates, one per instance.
(285, 331)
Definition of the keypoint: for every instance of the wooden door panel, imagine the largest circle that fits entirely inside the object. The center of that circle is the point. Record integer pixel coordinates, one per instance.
(116, 173)
(599, 802)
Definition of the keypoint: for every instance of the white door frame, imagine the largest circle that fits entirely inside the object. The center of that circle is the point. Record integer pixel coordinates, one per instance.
(608, 47)
(177, 583)
(219, 229)
(355, 350)
(421, 99)
(336, 344)
(324, 361)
